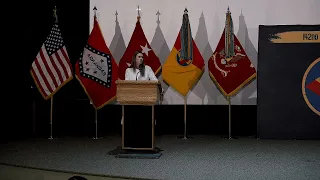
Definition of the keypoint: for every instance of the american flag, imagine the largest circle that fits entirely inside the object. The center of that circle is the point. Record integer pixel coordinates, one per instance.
(52, 69)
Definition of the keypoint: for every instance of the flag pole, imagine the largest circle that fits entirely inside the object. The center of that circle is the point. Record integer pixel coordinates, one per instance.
(229, 103)
(51, 114)
(185, 118)
(51, 104)
(96, 123)
(95, 109)
(229, 116)
(33, 115)
(185, 122)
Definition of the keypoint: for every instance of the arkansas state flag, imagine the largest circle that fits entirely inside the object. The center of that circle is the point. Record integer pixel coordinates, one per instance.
(96, 69)
(185, 65)
(139, 42)
(229, 66)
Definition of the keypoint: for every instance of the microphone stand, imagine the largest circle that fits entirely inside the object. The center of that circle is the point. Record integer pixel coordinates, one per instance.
(137, 75)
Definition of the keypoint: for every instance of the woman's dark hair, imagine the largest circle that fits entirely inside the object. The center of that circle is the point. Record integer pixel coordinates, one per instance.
(133, 64)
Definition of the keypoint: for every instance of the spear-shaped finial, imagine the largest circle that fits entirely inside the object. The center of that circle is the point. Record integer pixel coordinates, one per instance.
(95, 11)
(116, 16)
(55, 13)
(138, 9)
(158, 13)
(185, 11)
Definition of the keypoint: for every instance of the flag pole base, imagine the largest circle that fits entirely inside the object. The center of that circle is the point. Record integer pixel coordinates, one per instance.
(51, 138)
(229, 137)
(90, 137)
(184, 137)
(96, 137)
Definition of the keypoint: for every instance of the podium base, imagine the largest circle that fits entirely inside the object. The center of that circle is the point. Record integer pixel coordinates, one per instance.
(136, 154)
(138, 133)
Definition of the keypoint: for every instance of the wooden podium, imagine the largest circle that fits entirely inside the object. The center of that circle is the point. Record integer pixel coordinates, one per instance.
(138, 99)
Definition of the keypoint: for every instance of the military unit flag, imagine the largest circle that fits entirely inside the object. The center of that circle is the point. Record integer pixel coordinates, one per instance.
(185, 65)
(229, 67)
(139, 42)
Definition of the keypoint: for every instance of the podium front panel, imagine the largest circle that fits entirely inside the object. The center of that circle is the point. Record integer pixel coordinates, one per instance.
(138, 132)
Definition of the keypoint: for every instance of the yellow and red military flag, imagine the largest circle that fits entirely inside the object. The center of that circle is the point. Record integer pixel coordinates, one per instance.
(229, 67)
(185, 65)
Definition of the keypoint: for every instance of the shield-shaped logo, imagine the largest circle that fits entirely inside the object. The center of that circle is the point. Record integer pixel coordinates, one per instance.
(311, 86)
(182, 62)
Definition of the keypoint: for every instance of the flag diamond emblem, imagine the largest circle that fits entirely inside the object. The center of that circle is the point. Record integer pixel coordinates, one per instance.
(96, 66)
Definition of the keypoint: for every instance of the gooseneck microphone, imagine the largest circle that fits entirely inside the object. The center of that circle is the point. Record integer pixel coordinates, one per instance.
(137, 75)
(140, 67)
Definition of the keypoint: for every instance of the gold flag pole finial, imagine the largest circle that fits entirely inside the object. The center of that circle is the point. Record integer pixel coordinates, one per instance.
(228, 11)
(55, 13)
(186, 11)
(139, 17)
(158, 14)
(95, 11)
(116, 16)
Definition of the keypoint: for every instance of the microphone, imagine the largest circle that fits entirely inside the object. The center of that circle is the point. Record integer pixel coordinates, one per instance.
(137, 75)
(140, 67)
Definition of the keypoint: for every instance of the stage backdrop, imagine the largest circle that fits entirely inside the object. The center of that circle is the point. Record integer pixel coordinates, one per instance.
(161, 21)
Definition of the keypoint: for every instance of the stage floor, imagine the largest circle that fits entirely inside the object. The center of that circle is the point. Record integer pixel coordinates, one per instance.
(202, 157)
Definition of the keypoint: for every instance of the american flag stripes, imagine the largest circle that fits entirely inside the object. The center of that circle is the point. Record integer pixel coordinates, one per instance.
(51, 68)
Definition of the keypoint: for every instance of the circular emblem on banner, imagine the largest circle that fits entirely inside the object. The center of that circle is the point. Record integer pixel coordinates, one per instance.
(311, 86)
(182, 62)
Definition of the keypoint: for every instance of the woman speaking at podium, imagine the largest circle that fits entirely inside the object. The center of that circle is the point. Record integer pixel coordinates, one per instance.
(136, 131)
(138, 70)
